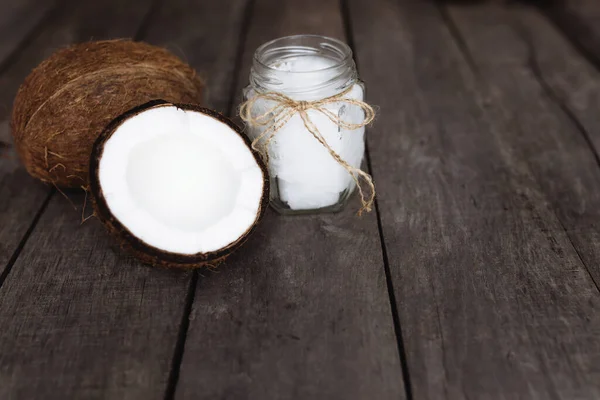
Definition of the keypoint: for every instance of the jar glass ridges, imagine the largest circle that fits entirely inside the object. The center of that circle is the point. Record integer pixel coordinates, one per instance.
(305, 178)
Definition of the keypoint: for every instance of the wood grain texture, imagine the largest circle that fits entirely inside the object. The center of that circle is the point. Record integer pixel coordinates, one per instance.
(494, 301)
(18, 205)
(99, 325)
(580, 21)
(572, 80)
(537, 131)
(21, 197)
(301, 311)
(18, 22)
(197, 32)
(573, 84)
(79, 321)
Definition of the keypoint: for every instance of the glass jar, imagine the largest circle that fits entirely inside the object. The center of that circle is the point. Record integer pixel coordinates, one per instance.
(305, 177)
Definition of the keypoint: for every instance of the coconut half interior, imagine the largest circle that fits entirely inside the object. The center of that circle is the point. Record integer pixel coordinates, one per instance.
(181, 180)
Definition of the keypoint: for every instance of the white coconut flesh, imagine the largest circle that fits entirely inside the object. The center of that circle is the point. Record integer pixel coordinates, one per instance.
(180, 180)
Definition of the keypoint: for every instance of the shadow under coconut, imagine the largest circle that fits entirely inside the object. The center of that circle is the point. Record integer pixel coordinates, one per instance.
(248, 251)
(77, 208)
(238, 259)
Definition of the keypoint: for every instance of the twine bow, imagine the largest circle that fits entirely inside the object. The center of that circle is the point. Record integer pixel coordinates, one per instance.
(285, 108)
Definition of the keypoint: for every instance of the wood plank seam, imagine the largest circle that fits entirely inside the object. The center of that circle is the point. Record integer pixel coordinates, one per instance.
(247, 18)
(130, 370)
(4, 65)
(179, 349)
(181, 339)
(191, 295)
(25, 237)
(514, 301)
(532, 64)
(11, 58)
(289, 317)
(550, 94)
(458, 39)
(33, 33)
(562, 19)
(392, 298)
(347, 21)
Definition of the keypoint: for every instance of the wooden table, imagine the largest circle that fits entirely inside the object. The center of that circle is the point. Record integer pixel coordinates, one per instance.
(475, 278)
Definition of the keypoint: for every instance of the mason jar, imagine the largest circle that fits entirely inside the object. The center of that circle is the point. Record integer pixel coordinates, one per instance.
(305, 177)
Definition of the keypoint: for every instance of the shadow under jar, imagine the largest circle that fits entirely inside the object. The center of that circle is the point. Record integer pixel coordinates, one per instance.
(305, 178)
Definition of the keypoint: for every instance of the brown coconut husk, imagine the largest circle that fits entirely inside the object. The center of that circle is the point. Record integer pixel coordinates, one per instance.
(67, 101)
(135, 246)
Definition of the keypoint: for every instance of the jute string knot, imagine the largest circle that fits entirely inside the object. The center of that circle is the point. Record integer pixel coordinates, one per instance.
(303, 105)
(285, 108)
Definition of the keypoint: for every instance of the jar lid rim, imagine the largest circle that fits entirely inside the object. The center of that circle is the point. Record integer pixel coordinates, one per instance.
(344, 47)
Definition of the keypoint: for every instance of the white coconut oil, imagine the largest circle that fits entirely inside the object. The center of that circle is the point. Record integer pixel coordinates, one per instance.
(304, 175)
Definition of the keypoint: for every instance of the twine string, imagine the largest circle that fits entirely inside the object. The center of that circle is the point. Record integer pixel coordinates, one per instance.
(285, 108)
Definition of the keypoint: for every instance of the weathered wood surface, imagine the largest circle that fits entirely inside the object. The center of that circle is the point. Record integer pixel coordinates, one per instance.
(115, 322)
(552, 145)
(78, 320)
(22, 198)
(494, 300)
(571, 79)
(18, 23)
(177, 27)
(580, 21)
(19, 203)
(485, 154)
(302, 310)
(207, 35)
(574, 85)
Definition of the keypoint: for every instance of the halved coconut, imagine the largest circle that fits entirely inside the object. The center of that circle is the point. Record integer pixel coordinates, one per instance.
(179, 185)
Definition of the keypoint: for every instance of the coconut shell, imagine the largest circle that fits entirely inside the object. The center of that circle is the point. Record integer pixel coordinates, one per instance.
(66, 102)
(132, 244)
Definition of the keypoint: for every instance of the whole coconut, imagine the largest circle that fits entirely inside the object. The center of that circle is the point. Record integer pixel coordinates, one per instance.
(67, 101)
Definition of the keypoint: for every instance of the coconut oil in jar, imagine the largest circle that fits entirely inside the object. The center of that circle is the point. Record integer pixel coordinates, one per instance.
(305, 178)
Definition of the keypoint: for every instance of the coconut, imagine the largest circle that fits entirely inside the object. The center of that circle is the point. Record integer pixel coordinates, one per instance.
(66, 102)
(178, 185)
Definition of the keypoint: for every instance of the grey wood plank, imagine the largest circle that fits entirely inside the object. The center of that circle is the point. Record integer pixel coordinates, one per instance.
(580, 21)
(302, 310)
(79, 321)
(207, 36)
(82, 322)
(98, 324)
(197, 32)
(18, 21)
(571, 79)
(560, 148)
(573, 84)
(494, 301)
(21, 198)
(552, 146)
